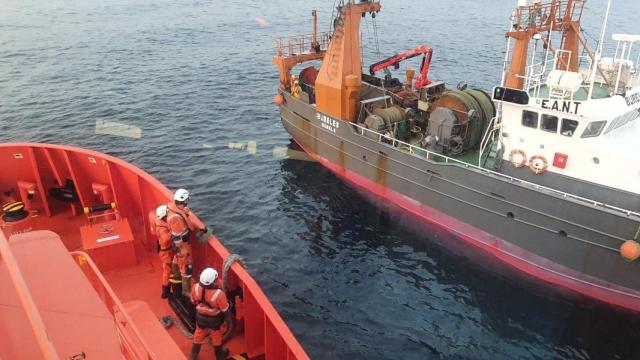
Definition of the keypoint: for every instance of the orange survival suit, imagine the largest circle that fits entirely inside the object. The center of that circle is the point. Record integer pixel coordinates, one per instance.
(165, 249)
(181, 224)
(211, 309)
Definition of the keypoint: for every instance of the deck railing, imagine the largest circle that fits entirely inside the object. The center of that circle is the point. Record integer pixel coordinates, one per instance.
(134, 347)
(539, 15)
(430, 155)
(302, 44)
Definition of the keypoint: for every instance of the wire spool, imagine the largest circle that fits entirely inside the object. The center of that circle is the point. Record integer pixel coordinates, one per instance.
(391, 115)
(463, 105)
(486, 104)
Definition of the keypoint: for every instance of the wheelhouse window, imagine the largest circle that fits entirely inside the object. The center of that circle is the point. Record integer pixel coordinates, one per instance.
(568, 127)
(593, 129)
(549, 123)
(530, 119)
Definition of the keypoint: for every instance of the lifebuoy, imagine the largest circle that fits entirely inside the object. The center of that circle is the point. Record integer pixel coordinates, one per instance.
(518, 158)
(538, 164)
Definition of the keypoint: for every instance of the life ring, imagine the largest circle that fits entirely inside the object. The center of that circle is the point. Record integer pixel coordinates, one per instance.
(518, 158)
(538, 164)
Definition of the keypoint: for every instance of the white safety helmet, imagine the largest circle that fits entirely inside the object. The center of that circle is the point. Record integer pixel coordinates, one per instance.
(208, 276)
(181, 195)
(161, 211)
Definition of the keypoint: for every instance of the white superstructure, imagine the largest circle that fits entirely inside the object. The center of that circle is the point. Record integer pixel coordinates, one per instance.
(582, 124)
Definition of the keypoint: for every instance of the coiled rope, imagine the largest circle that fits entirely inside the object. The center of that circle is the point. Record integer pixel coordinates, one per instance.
(167, 321)
(226, 265)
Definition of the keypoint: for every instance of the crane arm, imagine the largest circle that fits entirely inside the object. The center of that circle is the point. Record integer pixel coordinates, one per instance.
(422, 79)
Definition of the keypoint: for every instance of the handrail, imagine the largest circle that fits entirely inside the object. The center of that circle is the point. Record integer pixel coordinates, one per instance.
(300, 44)
(537, 15)
(26, 300)
(430, 154)
(485, 139)
(116, 301)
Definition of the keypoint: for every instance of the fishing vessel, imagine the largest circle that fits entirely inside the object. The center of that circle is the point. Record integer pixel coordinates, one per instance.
(81, 276)
(542, 173)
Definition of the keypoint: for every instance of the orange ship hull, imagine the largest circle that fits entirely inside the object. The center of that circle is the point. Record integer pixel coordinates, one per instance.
(88, 284)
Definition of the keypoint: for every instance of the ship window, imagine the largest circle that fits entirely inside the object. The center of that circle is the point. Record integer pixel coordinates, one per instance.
(568, 127)
(549, 123)
(593, 129)
(530, 119)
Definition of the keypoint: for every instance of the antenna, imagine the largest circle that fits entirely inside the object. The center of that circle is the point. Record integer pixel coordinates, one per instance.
(596, 59)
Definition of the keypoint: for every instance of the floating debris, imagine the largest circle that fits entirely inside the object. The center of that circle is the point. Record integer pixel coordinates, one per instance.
(106, 127)
(262, 21)
(286, 153)
(236, 146)
(252, 147)
(207, 146)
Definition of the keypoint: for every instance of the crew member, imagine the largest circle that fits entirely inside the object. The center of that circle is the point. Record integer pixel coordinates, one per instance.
(181, 224)
(295, 86)
(165, 247)
(212, 314)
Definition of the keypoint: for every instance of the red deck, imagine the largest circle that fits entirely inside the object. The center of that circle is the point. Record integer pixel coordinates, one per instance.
(126, 289)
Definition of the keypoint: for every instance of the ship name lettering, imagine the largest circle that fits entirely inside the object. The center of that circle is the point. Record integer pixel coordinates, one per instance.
(327, 122)
(570, 107)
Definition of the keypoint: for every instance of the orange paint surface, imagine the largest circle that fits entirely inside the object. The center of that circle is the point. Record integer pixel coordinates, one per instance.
(129, 265)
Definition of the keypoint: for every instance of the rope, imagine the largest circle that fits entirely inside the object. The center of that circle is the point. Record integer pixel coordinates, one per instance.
(230, 260)
(168, 320)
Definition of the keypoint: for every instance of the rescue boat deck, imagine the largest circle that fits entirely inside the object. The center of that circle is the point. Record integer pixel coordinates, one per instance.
(142, 282)
(138, 283)
(98, 207)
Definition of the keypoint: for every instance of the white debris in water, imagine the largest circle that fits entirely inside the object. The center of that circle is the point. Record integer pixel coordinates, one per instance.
(262, 21)
(279, 152)
(286, 153)
(252, 147)
(207, 146)
(236, 146)
(106, 127)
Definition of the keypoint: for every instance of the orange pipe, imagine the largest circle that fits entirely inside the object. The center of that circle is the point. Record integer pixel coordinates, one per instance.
(37, 325)
(515, 77)
(314, 39)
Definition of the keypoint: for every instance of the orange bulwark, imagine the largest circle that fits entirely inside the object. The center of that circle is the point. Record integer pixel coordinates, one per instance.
(58, 303)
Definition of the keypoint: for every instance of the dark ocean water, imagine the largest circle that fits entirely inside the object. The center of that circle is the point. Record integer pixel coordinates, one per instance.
(351, 279)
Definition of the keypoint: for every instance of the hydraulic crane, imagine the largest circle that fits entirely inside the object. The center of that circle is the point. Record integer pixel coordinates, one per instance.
(422, 79)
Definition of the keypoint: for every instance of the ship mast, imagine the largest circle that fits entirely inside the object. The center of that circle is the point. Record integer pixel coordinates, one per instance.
(339, 79)
(557, 15)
